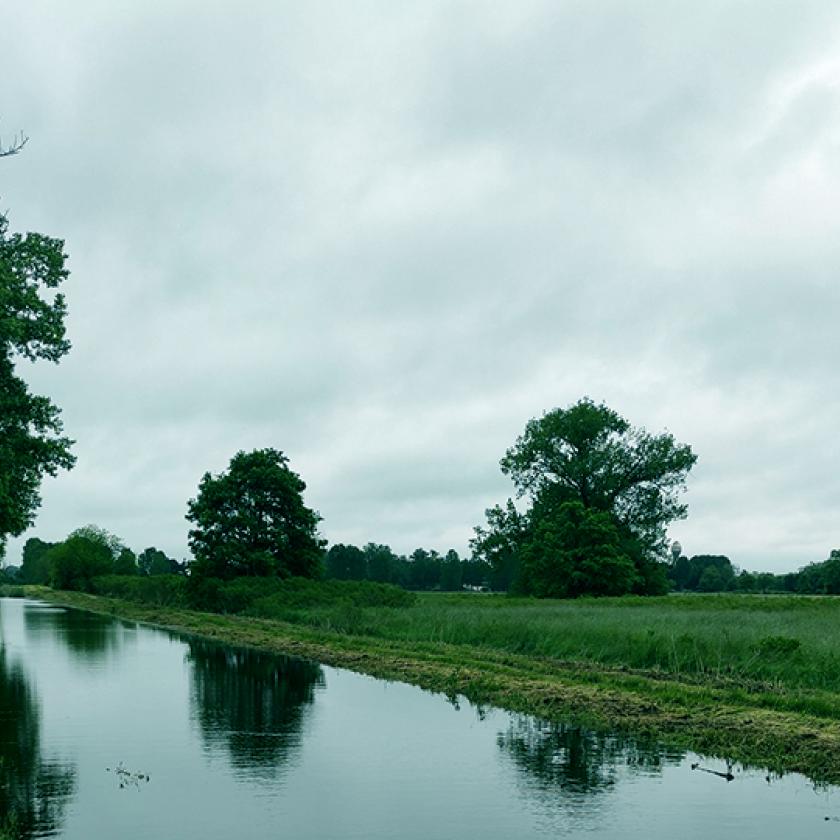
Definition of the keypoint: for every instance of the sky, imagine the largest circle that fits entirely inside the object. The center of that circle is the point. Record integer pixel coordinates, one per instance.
(381, 236)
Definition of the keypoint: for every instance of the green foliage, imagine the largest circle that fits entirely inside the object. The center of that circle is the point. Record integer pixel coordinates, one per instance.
(345, 562)
(381, 562)
(298, 593)
(77, 561)
(424, 570)
(31, 327)
(35, 567)
(821, 578)
(159, 591)
(152, 561)
(266, 597)
(251, 520)
(703, 573)
(126, 562)
(576, 552)
(102, 537)
(625, 480)
(451, 572)
(499, 545)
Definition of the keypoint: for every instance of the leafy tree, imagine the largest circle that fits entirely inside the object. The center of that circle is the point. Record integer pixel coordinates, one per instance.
(152, 561)
(451, 573)
(499, 545)
(35, 567)
(576, 552)
(31, 327)
(589, 457)
(475, 571)
(126, 563)
(346, 562)
(251, 520)
(77, 561)
(381, 563)
(102, 537)
(711, 580)
(819, 578)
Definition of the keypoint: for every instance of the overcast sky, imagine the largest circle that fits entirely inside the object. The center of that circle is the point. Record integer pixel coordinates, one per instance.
(381, 236)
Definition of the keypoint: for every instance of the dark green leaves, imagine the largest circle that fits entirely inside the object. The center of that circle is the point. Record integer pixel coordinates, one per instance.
(601, 493)
(251, 520)
(31, 326)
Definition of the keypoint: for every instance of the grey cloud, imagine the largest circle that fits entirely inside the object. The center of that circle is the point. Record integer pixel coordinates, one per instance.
(382, 236)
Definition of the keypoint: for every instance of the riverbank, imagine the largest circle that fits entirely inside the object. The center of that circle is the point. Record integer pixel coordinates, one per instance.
(785, 725)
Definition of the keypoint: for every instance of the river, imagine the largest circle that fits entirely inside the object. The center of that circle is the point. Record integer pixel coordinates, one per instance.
(110, 729)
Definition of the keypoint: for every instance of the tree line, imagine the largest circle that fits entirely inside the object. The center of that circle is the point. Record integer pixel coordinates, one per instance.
(716, 573)
(87, 553)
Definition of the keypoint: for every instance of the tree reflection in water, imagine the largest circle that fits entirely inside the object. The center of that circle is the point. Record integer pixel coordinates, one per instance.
(559, 757)
(90, 638)
(251, 703)
(33, 791)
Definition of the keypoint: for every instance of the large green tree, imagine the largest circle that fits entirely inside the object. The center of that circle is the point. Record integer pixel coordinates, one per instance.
(600, 495)
(251, 520)
(32, 315)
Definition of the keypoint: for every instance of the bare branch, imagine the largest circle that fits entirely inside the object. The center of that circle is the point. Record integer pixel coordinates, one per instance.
(18, 142)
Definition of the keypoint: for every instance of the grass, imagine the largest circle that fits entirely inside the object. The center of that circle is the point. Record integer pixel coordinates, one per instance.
(753, 678)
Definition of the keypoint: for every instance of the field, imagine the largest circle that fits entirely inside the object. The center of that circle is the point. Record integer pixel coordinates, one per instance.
(753, 678)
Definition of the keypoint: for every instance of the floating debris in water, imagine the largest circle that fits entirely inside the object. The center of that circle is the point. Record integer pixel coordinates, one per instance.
(727, 775)
(127, 778)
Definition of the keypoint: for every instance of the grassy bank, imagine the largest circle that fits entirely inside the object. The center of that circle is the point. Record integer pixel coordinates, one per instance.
(752, 678)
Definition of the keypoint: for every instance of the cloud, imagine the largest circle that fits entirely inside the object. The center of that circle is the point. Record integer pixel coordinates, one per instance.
(381, 237)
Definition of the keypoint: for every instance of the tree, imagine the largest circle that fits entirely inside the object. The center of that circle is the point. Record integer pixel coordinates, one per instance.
(499, 545)
(451, 573)
(18, 142)
(251, 520)
(126, 562)
(31, 327)
(35, 568)
(77, 561)
(346, 562)
(577, 552)
(623, 486)
(381, 563)
(152, 561)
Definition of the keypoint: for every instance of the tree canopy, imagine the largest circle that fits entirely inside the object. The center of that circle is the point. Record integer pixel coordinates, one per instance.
(32, 315)
(251, 520)
(601, 493)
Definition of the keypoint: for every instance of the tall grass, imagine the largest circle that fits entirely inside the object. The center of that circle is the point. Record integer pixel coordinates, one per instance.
(775, 641)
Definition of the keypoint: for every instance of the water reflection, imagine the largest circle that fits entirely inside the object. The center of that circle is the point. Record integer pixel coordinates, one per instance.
(90, 638)
(556, 756)
(33, 791)
(252, 704)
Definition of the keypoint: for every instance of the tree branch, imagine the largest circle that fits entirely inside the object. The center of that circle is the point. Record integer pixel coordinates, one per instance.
(18, 142)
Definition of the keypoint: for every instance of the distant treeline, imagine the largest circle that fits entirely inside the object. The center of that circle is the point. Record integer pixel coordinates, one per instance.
(421, 571)
(92, 552)
(87, 553)
(716, 573)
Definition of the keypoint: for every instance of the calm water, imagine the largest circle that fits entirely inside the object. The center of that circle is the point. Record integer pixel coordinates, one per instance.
(240, 744)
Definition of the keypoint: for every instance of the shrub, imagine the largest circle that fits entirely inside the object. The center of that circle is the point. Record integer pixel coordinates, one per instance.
(161, 591)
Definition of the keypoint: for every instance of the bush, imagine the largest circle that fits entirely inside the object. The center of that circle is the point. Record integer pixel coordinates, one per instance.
(161, 590)
(266, 597)
(77, 561)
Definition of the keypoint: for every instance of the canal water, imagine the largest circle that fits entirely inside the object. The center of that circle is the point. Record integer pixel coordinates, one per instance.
(109, 729)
